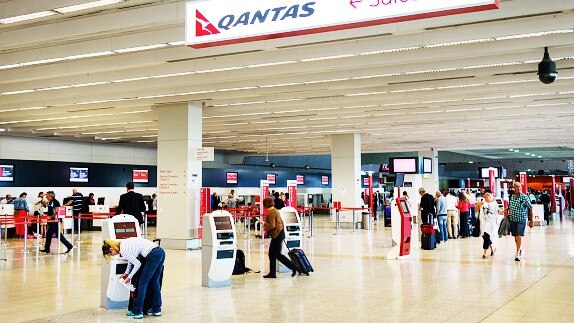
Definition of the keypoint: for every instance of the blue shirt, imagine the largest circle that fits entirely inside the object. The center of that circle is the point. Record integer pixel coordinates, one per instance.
(441, 205)
(20, 204)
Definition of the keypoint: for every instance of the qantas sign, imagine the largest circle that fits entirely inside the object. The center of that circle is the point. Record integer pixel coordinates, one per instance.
(221, 22)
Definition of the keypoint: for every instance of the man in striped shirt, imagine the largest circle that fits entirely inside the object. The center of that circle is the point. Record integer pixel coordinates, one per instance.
(519, 208)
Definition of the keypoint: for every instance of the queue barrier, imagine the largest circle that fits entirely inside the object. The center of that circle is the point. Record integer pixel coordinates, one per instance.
(27, 220)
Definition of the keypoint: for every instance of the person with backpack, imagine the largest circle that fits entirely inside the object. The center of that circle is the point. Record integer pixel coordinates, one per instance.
(274, 225)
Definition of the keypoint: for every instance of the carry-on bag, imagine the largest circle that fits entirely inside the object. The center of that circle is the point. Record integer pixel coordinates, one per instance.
(427, 229)
(428, 241)
(300, 260)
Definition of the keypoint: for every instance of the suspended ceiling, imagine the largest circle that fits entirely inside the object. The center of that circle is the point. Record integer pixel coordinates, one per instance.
(465, 82)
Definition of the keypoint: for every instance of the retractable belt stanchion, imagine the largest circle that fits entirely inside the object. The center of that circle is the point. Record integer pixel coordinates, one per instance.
(311, 214)
(4, 257)
(337, 223)
(354, 225)
(25, 250)
(59, 234)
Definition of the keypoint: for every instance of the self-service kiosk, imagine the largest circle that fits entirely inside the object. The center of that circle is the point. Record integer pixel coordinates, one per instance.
(401, 228)
(293, 232)
(219, 249)
(114, 295)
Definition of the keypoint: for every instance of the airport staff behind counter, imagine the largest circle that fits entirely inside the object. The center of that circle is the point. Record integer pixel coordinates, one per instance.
(130, 249)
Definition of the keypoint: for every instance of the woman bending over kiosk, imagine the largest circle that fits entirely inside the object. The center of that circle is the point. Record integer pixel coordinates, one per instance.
(130, 249)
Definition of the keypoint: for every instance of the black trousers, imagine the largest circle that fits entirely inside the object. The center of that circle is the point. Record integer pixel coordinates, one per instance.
(53, 229)
(275, 254)
(486, 242)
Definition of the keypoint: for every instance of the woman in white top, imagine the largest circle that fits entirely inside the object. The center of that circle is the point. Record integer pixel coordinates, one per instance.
(488, 215)
(154, 255)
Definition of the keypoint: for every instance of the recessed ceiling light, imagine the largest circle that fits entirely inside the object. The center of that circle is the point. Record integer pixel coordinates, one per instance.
(511, 149)
(2, 129)
(471, 162)
(25, 17)
(539, 156)
(89, 5)
(527, 154)
(516, 150)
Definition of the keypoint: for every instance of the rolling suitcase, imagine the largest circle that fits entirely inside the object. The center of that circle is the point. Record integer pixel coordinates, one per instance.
(300, 260)
(428, 237)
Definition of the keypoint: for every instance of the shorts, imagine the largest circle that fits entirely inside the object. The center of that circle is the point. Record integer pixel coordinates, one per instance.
(517, 228)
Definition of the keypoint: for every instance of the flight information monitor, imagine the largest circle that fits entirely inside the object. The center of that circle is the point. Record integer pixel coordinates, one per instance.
(222, 223)
(125, 230)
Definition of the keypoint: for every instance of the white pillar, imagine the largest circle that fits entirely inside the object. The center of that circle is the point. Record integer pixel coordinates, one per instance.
(430, 181)
(179, 175)
(346, 173)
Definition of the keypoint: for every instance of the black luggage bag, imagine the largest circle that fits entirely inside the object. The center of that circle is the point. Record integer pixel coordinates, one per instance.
(300, 260)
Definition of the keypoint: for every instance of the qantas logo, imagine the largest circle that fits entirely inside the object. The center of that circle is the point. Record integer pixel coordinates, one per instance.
(202, 26)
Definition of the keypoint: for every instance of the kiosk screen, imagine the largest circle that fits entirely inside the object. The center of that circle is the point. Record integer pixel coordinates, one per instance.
(404, 206)
(291, 217)
(222, 222)
(125, 230)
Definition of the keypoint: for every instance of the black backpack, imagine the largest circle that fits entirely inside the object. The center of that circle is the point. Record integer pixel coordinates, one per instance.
(239, 268)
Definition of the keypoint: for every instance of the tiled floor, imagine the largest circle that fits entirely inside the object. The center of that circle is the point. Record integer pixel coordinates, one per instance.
(352, 282)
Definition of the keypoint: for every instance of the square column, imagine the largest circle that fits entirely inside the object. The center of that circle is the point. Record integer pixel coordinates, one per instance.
(179, 175)
(346, 173)
(430, 181)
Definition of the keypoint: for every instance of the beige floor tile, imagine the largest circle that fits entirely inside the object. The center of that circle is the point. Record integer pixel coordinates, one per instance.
(353, 282)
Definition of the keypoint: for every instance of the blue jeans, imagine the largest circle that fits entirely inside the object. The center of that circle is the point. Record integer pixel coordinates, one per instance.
(442, 227)
(149, 278)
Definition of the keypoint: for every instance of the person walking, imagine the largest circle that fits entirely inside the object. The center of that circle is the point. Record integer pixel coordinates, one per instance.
(519, 209)
(131, 249)
(53, 226)
(274, 225)
(488, 216)
(441, 212)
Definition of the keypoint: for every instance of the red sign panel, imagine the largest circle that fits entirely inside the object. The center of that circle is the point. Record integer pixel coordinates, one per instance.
(232, 178)
(300, 179)
(324, 180)
(140, 176)
(271, 178)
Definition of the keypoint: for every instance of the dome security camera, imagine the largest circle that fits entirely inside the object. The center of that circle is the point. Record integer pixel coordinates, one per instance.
(547, 69)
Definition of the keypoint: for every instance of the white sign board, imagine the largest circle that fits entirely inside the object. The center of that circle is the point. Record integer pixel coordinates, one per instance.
(204, 154)
(221, 22)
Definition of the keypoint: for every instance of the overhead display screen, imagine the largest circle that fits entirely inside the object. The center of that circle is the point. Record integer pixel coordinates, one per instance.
(404, 165)
(427, 165)
(231, 178)
(271, 178)
(324, 180)
(485, 172)
(300, 179)
(140, 176)
(222, 223)
(79, 175)
(124, 230)
(6, 173)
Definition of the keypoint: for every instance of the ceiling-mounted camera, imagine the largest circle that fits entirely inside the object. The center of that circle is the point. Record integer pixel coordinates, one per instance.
(547, 69)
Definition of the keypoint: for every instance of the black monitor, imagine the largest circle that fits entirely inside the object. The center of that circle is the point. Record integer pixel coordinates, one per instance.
(66, 200)
(101, 200)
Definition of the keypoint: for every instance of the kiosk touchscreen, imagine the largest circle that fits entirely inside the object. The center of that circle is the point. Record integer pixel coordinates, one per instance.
(293, 232)
(219, 247)
(114, 295)
(400, 228)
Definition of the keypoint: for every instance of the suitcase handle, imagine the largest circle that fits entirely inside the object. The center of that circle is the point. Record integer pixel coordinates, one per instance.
(285, 242)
